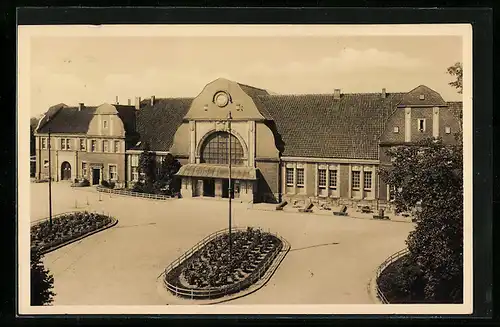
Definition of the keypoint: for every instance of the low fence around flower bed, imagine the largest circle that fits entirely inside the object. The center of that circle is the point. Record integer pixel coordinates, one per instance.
(75, 237)
(134, 194)
(215, 292)
(380, 269)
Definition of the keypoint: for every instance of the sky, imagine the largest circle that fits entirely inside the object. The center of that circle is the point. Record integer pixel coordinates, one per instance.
(95, 70)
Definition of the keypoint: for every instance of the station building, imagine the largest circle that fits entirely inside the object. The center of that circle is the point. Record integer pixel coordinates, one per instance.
(319, 147)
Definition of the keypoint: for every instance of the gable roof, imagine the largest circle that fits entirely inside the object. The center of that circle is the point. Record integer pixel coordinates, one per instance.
(157, 124)
(431, 98)
(323, 127)
(66, 120)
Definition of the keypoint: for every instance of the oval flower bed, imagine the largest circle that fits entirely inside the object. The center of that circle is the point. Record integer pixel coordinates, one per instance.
(211, 268)
(65, 228)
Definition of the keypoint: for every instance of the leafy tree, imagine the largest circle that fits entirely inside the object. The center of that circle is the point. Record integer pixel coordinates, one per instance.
(33, 125)
(430, 173)
(42, 281)
(166, 181)
(147, 171)
(456, 70)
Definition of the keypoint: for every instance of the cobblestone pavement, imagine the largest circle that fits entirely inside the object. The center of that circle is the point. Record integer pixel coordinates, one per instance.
(330, 262)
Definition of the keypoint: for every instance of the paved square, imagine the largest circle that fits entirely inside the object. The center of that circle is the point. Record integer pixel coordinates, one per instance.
(330, 262)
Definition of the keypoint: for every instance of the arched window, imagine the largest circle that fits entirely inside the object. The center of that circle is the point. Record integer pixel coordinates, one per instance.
(215, 150)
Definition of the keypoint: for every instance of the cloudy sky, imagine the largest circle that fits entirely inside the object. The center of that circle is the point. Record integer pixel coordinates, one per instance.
(95, 70)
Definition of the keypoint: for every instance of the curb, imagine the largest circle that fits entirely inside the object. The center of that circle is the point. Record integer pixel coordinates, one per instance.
(113, 222)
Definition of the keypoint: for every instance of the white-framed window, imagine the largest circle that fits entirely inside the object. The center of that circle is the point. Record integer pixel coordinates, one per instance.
(105, 146)
(112, 172)
(104, 124)
(322, 178)
(135, 174)
(421, 124)
(93, 145)
(396, 129)
(63, 144)
(134, 160)
(84, 169)
(447, 130)
(44, 143)
(356, 175)
(300, 177)
(68, 144)
(117, 146)
(82, 144)
(367, 180)
(289, 176)
(332, 178)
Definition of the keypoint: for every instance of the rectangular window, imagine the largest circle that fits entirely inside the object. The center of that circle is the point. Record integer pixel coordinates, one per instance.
(356, 179)
(300, 177)
(421, 125)
(105, 146)
(63, 144)
(68, 144)
(134, 160)
(447, 130)
(396, 129)
(322, 178)
(44, 143)
(105, 124)
(112, 172)
(289, 176)
(333, 178)
(117, 146)
(84, 169)
(82, 144)
(135, 174)
(93, 145)
(368, 180)
(45, 163)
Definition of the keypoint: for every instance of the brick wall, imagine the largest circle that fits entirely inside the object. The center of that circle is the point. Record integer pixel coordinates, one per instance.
(421, 113)
(267, 187)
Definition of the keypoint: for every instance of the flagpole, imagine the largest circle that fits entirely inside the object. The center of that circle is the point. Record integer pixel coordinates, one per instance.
(230, 187)
(50, 183)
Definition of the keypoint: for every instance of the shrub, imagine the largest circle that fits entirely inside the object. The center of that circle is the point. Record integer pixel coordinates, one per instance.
(76, 180)
(85, 182)
(105, 183)
(42, 282)
(111, 184)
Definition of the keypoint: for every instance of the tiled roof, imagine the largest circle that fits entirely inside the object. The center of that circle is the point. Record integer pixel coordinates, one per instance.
(127, 115)
(67, 120)
(255, 94)
(456, 109)
(323, 127)
(430, 97)
(157, 124)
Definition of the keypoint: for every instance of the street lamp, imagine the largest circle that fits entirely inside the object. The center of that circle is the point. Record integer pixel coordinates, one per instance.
(230, 188)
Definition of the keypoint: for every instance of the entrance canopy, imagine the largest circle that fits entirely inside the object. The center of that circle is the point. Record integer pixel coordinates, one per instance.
(216, 171)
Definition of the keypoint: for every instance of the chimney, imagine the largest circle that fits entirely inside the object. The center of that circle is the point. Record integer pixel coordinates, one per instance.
(80, 106)
(336, 94)
(152, 100)
(116, 101)
(137, 102)
(384, 94)
(129, 102)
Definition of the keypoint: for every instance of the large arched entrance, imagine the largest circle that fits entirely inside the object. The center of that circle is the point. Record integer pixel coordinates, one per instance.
(215, 150)
(65, 171)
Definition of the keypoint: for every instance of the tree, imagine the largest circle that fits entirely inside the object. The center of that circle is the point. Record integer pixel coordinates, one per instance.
(430, 173)
(42, 281)
(33, 125)
(456, 70)
(166, 181)
(147, 171)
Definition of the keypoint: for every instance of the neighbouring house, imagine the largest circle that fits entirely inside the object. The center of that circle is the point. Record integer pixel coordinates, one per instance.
(320, 147)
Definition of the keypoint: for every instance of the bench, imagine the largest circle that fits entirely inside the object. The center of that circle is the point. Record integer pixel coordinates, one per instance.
(281, 205)
(381, 215)
(366, 209)
(307, 208)
(342, 212)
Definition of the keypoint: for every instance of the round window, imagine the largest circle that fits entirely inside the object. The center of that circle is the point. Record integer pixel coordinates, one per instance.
(221, 99)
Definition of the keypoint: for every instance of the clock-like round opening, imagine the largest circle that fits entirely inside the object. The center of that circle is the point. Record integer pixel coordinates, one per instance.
(221, 99)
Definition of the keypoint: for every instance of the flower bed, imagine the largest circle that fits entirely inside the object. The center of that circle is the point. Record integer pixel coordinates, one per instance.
(65, 228)
(212, 272)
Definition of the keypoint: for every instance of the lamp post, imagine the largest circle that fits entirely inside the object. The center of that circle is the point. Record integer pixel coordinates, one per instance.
(50, 182)
(229, 118)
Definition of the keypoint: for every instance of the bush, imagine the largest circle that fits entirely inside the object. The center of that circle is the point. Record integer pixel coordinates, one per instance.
(402, 282)
(85, 182)
(111, 184)
(42, 281)
(105, 184)
(76, 180)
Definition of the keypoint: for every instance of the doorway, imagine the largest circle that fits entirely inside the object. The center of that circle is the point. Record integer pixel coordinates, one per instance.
(96, 176)
(65, 171)
(209, 187)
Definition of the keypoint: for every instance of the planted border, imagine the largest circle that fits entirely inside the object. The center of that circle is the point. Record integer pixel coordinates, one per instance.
(71, 235)
(175, 269)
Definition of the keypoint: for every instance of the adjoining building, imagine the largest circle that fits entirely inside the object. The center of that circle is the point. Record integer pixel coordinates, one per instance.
(323, 147)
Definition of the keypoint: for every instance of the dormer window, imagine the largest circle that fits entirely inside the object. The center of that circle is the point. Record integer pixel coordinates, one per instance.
(396, 129)
(421, 125)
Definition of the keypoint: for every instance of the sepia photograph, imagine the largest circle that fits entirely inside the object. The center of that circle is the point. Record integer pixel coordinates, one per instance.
(251, 169)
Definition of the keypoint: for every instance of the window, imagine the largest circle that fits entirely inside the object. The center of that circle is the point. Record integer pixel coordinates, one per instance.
(84, 169)
(322, 178)
(396, 129)
(112, 172)
(134, 160)
(44, 143)
(68, 144)
(63, 144)
(368, 180)
(117, 146)
(289, 176)
(216, 151)
(105, 124)
(421, 125)
(82, 144)
(135, 174)
(333, 178)
(46, 163)
(300, 177)
(447, 130)
(93, 145)
(356, 179)
(422, 96)
(105, 146)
